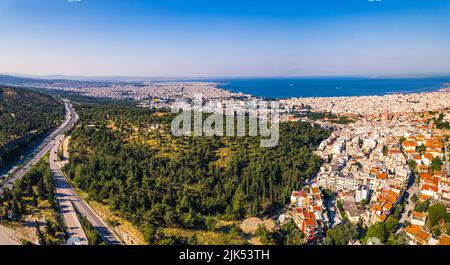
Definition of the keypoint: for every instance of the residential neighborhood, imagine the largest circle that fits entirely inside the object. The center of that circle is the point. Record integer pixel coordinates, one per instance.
(392, 161)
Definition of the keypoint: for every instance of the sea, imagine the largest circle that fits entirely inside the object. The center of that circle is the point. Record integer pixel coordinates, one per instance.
(276, 88)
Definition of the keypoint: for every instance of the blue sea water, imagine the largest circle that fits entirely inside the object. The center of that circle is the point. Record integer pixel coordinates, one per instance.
(328, 87)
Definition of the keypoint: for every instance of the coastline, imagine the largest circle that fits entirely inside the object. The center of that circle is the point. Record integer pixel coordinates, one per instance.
(278, 89)
(446, 88)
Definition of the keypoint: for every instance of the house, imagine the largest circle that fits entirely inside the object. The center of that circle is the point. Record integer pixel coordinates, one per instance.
(308, 213)
(422, 237)
(418, 236)
(352, 211)
(299, 198)
(409, 145)
(306, 220)
(384, 205)
(429, 185)
(427, 158)
(423, 169)
(362, 193)
(411, 231)
(418, 218)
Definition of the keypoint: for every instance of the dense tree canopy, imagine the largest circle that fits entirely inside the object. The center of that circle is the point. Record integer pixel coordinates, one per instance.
(341, 234)
(436, 214)
(24, 116)
(126, 156)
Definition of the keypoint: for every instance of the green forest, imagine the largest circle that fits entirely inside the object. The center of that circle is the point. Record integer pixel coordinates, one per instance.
(33, 195)
(126, 157)
(24, 117)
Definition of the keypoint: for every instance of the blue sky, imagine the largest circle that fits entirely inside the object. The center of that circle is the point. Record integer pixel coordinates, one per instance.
(202, 38)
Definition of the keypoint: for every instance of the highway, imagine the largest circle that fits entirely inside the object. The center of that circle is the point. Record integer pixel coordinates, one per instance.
(70, 201)
(47, 144)
(66, 195)
(63, 196)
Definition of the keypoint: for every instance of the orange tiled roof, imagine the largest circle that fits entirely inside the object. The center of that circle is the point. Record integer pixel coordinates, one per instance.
(394, 151)
(445, 240)
(429, 187)
(423, 167)
(418, 215)
(428, 156)
(409, 143)
(382, 176)
(416, 157)
(388, 206)
(317, 208)
(425, 176)
(374, 170)
(412, 229)
(423, 197)
(423, 235)
(434, 144)
(376, 207)
(310, 222)
(382, 217)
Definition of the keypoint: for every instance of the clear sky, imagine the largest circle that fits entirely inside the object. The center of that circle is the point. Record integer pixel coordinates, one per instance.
(205, 38)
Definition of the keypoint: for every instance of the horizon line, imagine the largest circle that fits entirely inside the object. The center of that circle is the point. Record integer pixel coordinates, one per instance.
(130, 78)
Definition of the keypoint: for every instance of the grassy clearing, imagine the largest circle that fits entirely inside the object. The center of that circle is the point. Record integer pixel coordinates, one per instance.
(127, 231)
(224, 156)
(205, 237)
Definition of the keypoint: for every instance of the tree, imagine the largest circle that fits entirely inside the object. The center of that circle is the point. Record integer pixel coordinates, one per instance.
(402, 139)
(391, 224)
(436, 213)
(421, 149)
(412, 164)
(436, 163)
(264, 235)
(360, 143)
(210, 223)
(290, 234)
(422, 206)
(177, 183)
(402, 238)
(327, 194)
(385, 150)
(149, 232)
(414, 198)
(50, 228)
(60, 155)
(341, 234)
(40, 235)
(377, 230)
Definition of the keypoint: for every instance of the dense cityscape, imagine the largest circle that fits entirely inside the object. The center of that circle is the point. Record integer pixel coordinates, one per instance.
(207, 132)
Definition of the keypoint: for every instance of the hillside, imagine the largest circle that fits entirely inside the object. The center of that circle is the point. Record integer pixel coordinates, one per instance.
(24, 117)
(127, 158)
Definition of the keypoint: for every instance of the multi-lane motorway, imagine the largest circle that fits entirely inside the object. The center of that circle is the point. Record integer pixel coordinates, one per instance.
(66, 195)
(70, 201)
(45, 146)
(63, 189)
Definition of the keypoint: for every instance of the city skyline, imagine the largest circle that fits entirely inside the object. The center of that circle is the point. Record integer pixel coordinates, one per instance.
(224, 39)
